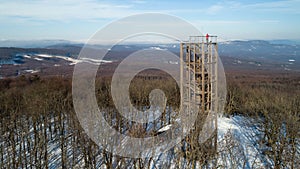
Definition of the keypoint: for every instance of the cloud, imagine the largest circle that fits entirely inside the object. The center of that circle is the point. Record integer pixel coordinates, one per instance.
(234, 22)
(268, 21)
(220, 22)
(282, 6)
(138, 1)
(64, 10)
(214, 9)
(286, 6)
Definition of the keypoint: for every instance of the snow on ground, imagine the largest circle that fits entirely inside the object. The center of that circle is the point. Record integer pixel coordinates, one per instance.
(243, 133)
(27, 56)
(72, 60)
(157, 48)
(238, 147)
(31, 71)
(44, 55)
(173, 62)
(38, 59)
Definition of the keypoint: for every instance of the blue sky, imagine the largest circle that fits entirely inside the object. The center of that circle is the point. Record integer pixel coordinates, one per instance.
(80, 19)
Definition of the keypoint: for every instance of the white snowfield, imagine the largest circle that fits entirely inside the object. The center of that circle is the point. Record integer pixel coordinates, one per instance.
(72, 60)
(242, 133)
(238, 147)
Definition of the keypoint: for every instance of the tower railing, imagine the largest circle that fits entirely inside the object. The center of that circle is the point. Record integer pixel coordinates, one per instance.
(203, 39)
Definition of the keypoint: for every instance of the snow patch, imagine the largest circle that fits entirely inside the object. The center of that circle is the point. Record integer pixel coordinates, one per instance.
(39, 59)
(27, 56)
(157, 48)
(173, 62)
(74, 61)
(31, 71)
(246, 134)
(44, 55)
(165, 128)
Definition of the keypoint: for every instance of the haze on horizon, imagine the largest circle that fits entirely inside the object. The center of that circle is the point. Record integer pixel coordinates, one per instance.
(77, 20)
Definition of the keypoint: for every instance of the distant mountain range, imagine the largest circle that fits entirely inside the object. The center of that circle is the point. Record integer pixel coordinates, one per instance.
(34, 43)
(59, 42)
(282, 55)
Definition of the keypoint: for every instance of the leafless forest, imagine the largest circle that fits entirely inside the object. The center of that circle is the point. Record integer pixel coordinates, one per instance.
(39, 128)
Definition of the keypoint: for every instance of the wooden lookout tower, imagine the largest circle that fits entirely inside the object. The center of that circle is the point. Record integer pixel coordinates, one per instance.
(199, 65)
